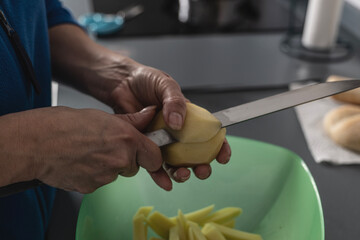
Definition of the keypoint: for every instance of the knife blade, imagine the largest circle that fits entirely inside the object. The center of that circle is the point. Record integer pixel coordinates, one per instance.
(264, 106)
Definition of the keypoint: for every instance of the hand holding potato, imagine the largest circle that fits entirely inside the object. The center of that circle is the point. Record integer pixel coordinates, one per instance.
(199, 140)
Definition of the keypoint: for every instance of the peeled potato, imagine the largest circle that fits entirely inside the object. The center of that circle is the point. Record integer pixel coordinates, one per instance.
(190, 154)
(199, 141)
(199, 125)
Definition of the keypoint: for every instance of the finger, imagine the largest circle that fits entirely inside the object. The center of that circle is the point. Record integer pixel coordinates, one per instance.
(125, 101)
(224, 154)
(148, 155)
(174, 103)
(177, 174)
(202, 171)
(131, 170)
(162, 179)
(139, 120)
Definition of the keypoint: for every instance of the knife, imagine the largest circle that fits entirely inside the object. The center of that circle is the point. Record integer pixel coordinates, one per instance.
(258, 108)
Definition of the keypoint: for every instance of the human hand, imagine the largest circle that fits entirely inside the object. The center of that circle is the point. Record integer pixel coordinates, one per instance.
(142, 86)
(81, 150)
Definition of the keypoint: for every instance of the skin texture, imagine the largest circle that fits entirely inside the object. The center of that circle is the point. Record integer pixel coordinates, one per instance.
(84, 149)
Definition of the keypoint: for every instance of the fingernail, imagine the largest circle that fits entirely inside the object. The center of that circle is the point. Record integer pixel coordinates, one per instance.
(226, 160)
(181, 178)
(175, 121)
(148, 109)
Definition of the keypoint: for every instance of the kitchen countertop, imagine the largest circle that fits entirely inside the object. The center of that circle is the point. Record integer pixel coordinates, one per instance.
(237, 61)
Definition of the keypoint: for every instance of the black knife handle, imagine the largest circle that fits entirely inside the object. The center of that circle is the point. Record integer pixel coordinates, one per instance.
(18, 187)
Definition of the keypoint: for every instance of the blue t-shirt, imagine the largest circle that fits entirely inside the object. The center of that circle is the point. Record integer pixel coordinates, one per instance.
(26, 215)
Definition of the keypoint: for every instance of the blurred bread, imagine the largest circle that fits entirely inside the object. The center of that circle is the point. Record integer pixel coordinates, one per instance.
(352, 96)
(343, 126)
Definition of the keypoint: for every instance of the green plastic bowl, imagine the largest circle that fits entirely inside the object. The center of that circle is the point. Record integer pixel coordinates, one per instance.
(271, 184)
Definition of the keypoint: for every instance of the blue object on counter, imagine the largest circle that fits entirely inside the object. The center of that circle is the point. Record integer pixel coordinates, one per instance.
(102, 24)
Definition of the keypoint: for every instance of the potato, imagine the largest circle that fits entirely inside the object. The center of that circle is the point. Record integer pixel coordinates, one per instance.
(195, 232)
(198, 215)
(199, 125)
(183, 225)
(160, 224)
(199, 141)
(190, 154)
(233, 234)
(223, 215)
(212, 233)
(139, 220)
(174, 233)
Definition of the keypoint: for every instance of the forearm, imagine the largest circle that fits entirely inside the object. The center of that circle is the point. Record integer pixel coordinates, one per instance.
(79, 62)
(17, 164)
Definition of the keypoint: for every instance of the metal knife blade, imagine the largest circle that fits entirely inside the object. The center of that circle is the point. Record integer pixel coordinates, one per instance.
(268, 105)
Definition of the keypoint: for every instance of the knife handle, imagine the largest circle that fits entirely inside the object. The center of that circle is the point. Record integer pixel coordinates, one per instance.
(18, 187)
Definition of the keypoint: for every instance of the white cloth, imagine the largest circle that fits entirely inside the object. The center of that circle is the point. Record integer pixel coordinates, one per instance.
(323, 149)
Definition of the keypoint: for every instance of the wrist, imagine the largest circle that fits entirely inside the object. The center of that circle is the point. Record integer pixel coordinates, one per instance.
(18, 161)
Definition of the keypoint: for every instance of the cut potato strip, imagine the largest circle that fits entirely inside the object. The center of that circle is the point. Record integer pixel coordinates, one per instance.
(199, 215)
(139, 223)
(230, 224)
(182, 224)
(223, 215)
(160, 224)
(233, 234)
(139, 227)
(144, 210)
(212, 233)
(174, 233)
(196, 231)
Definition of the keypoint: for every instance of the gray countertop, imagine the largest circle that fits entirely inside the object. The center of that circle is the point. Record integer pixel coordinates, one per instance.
(241, 60)
(229, 60)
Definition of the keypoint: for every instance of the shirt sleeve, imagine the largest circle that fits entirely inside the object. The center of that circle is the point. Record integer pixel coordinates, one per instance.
(57, 14)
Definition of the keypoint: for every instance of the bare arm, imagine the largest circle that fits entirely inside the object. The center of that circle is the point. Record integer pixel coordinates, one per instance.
(80, 62)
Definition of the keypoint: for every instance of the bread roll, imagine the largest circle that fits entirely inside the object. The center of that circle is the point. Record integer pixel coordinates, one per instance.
(352, 96)
(343, 126)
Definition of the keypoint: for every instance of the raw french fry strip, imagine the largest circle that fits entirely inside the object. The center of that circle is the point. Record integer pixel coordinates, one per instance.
(174, 233)
(196, 231)
(199, 215)
(182, 224)
(233, 234)
(223, 215)
(160, 224)
(230, 224)
(190, 234)
(139, 228)
(139, 223)
(145, 210)
(212, 233)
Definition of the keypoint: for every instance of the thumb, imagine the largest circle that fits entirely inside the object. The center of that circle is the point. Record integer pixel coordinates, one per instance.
(140, 120)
